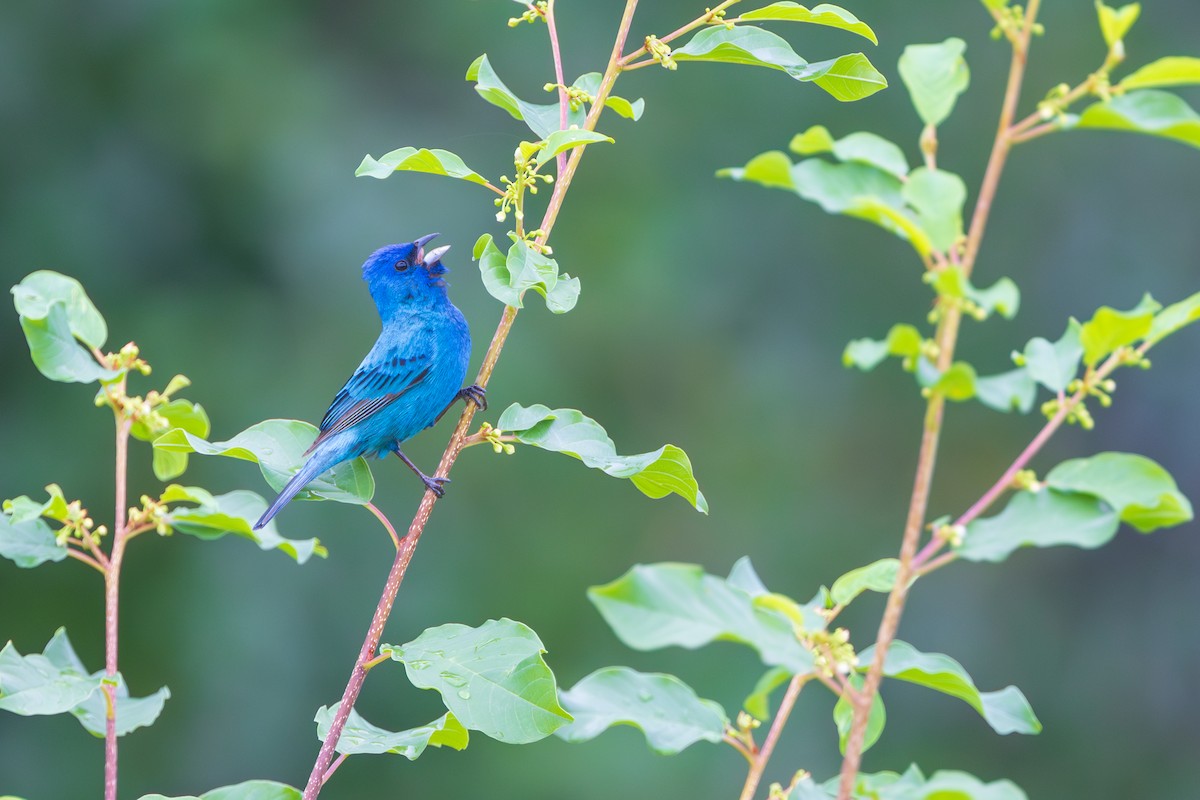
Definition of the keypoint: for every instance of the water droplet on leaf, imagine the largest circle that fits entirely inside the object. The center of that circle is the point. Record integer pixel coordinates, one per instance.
(464, 694)
(454, 679)
(419, 663)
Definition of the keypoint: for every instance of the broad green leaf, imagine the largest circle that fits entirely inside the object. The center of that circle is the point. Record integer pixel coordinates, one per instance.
(808, 616)
(937, 197)
(169, 464)
(1002, 296)
(1147, 111)
(1040, 519)
(541, 119)
(743, 577)
(897, 221)
(838, 188)
(249, 790)
(912, 785)
(1116, 22)
(1142, 492)
(590, 83)
(903, 340)
(1173, 317)
(1054, 364)
(360, 736)
(492, 678)
(57, 353)
(843, 718)
(35, 296)
(1170, 71)
(863, 147)
(957, 383)
(758, 702)
(1009, 391)
(1006, 710)
(935, 74)
(213, 516)
(132, 712)
(848, 77)
(277, 446)
(823, 14)
(1109, 329)
(561, 141)
(29, 543)
(879, 576)
(662, 707)
(507, 278)
(656, 474)
(411, 159)
(772, 169)
(23, 508)
(659, 605)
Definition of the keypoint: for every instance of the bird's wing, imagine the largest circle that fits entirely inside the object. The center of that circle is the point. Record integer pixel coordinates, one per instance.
(371, 388)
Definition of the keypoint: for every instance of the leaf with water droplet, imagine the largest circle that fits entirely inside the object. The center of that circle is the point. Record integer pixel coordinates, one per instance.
(360, 736)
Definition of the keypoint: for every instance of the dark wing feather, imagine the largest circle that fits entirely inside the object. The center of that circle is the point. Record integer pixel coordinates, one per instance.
(367, 392)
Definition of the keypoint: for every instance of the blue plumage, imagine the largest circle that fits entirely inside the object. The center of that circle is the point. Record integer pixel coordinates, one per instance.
(410, 377)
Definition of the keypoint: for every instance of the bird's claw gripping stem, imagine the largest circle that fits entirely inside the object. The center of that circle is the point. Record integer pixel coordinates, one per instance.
(435, 485)
(474, 394)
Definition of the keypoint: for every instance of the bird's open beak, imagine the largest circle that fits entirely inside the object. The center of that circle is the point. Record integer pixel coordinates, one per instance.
(434, 255)
(420, 243)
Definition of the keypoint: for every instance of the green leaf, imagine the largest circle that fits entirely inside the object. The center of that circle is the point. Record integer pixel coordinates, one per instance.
(1008, 391)
(590, 83)
(1109, 329)
(659, 605)
(758, 702)
(862, 147)
(902, 340)
(839, 188)
(541, 119)
(132, 712)
(1040, 519)
(1147, 111)
(656, 474)
(175, 414)
(56, 352)
(23, 508)
(561, 141)
(360, 736)
(823, 14)
(29, 543)
(411, 159)
(935, 74)
(1116, 22)
(937, 197)
(772, 169)
(1173, 317)
(662, 707)
(36, 295)
(1006, 710)
(249, 790)
(879, 576)
(507, 278)
(1170, 71)
(492, 678)
(213, 516)
(944, 785)
(843, 718)
(848, 77)
(277, 446)
(1142, 492)
(957, 383)
(1054, 365)
(1003, 297)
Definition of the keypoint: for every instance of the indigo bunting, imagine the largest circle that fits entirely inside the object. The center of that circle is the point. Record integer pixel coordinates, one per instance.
(408, 380)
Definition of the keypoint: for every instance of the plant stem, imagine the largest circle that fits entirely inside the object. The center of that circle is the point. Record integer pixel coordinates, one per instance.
(112, 581)
(552, 29)
(947, 337)
(387, 523)
(417, 526)
(703, 19)
(86, 559)
(759, 762)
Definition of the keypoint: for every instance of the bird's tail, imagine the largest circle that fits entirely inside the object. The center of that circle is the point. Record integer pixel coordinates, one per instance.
(321, 460)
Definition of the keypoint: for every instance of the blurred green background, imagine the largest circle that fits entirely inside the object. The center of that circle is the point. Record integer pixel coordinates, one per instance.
(192, 163)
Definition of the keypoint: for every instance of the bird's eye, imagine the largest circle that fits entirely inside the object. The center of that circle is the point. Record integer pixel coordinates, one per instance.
(402, 265)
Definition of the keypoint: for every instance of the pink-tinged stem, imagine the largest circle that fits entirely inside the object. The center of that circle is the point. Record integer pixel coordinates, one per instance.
(561, 159)
(112, 580)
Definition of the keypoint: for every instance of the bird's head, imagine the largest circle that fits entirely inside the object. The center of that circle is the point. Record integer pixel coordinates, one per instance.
(407, 274)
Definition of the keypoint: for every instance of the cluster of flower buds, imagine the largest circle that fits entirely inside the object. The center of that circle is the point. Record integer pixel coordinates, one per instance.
(536, 11)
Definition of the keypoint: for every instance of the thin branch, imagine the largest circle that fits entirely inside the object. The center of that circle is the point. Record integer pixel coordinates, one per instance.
(759, 762)
(561, 159)
(112, 581)
(937, 563)
(387, 523)
(739, 745)
(86, 559)
(333, 767)
(704, 19)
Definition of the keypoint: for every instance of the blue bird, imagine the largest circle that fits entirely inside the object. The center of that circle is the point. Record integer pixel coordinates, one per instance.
(408, 380)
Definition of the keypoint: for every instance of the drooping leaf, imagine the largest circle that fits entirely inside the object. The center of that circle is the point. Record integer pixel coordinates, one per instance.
(39, 291)
(57, 353)
(823, 14)
(541, 119)
(508, 277)
(561, 141)
(277, 446)
(590, 83)
(213, 516)
(1142, 492)
(1040, 519)
(29, 543)
(492, 678)
(132, 712)
(758, 702)
(656, 474)
(843, 718)
(248, 790)
(360, 736)
(1006, 710)
(937, 198)
(1147, 111)
(1054, 364)
(659, 605)
(1174, 317)
(1109, 329)
(935, 74)
(1170, 71)
(1116, 22)
(863, 147)
(662, 707)
(1009, 391)
(412, 159)
(879, 576)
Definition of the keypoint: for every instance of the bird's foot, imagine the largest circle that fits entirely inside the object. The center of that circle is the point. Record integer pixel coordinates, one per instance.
(474, 394)
(435, 485)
